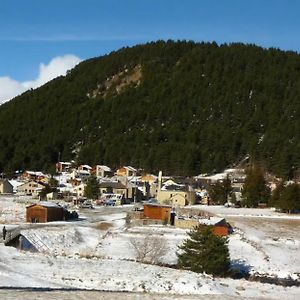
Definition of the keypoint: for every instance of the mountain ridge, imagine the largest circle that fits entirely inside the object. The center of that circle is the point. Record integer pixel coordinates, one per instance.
(199, 107)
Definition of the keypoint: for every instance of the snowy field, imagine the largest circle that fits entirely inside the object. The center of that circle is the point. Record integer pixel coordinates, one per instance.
(265, 242)
(245, 212)
(97, 254)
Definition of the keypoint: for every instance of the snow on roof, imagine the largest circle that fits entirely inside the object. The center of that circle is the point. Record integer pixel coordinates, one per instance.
(47, 204)
(210, 221)
(172, 182)
(130, 168)
(105, 168)
(35, 173)
(65, 163)
(214, 177)
(134, 179)
(63, 177)
(203, 193)
(15, 183)
(86, 166)
(231, 170)
(172, 185)
(84, 172)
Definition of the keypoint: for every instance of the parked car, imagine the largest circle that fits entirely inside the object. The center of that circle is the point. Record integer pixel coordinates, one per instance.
(112, 199)
(86, 204)
(110, 202)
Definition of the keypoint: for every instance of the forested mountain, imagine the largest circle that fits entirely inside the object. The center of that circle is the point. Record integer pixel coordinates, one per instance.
(182, 107)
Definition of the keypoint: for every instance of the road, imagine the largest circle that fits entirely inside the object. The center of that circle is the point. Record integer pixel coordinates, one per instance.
(95, 295)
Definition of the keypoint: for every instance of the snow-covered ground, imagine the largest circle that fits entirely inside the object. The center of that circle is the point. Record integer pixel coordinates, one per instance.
(264, 241)
(38, 270)
(12, 209)
(223, 211)
(97, 254)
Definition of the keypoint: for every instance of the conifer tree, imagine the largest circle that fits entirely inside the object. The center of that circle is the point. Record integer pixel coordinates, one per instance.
(92, 190)
(204, 252)
(276, 195)
(290, 198)
(255, 190)
(220, 191)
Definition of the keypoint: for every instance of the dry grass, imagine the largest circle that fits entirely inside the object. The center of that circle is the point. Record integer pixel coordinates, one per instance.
(103, 226)
(87, 253)
(90, 253)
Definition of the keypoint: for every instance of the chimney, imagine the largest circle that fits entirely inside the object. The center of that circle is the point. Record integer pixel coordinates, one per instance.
(159, 180)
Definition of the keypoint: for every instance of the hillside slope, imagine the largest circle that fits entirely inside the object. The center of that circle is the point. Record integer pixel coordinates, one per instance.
(182, 107)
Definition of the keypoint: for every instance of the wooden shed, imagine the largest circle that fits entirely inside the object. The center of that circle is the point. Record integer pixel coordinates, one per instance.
(157, 212)
(43, 212)
(219, 225)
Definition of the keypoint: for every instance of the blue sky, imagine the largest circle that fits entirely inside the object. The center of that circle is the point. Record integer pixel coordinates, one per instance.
(35, 31)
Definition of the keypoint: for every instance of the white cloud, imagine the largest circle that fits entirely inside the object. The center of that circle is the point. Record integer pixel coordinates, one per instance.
(9, 88)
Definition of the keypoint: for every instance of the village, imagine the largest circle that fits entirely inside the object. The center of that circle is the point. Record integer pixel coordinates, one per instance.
(155, 199)
(161, 198)
(137, 219)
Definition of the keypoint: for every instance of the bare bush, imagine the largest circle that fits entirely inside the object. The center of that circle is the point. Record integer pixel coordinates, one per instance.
(78, 236)
(150, 249)
(87, 253)
(103, 226)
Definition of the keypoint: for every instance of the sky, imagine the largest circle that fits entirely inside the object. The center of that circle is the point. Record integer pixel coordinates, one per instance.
(40, 40)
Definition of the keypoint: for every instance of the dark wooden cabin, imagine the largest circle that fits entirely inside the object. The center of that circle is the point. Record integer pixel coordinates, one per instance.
(43, 212)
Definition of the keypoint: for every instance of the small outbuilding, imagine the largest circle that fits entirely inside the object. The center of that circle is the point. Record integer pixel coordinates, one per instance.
(157, 211)
(43, 212)
(219, 225)
(6, 187)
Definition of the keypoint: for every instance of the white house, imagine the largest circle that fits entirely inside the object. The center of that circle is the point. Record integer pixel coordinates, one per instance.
(31, 188)
(79, 190)
(103, 171)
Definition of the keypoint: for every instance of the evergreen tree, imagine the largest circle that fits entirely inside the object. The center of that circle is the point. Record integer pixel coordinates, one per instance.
(290, 198)
(233, 198)
(275, 199)
(204, 252)
(49, 188)
(46, 190)
(92, 190)
(195, 108)
(53, 183)
(255, 190)
(220, 191)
